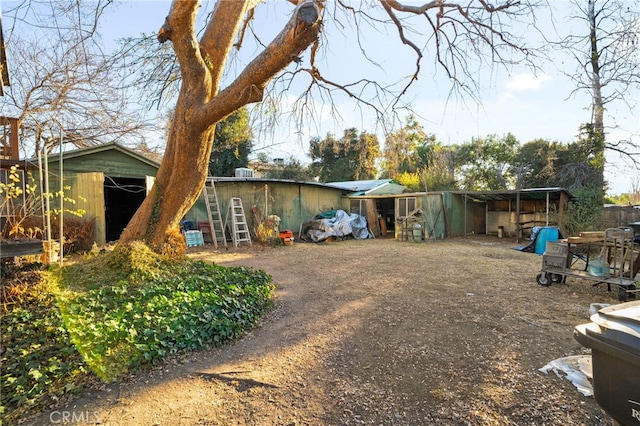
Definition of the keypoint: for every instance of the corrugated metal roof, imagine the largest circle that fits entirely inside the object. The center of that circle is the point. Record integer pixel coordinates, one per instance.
(525, 194)
(267, 180)
(363, 186)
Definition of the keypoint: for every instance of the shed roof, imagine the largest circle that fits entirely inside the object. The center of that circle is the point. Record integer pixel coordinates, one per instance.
(525, 194)
(267, 180)
(96, 149)
(111, 159)
(370, 187)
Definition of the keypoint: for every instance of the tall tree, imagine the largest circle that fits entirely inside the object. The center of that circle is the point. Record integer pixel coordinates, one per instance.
(456, 31)
(232, 144)
(62, 82)
(351, 157)
(607, 54)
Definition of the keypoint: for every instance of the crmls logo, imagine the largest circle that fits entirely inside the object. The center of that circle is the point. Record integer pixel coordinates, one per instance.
(635, 412)
(70, 417)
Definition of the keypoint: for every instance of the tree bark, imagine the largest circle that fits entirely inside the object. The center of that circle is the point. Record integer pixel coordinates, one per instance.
(201, 104)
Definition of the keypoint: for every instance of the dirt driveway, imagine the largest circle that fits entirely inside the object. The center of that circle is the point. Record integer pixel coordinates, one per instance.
(376, 332)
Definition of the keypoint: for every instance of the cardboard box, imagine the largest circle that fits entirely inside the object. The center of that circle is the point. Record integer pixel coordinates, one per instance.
(554, 263)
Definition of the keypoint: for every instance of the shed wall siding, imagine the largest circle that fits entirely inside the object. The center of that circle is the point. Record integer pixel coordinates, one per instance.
(294, 203)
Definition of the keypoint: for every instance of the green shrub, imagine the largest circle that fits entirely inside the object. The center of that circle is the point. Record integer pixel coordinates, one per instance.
(112, 313)
(39, 360)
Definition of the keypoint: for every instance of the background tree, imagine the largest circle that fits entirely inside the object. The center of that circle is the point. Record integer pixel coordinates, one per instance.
(292, 169)
(576, 166)
(439, 175)
(417, 160)
(534, 164)
(232, 144)
(351, 157)
(406, 150)
(486, 163)
(61, 81)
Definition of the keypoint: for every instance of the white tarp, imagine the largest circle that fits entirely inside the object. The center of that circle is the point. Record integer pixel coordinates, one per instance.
(340, 225)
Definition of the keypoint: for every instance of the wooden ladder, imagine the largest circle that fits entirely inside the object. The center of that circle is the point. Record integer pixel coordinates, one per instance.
(240, 230)
(213, 213)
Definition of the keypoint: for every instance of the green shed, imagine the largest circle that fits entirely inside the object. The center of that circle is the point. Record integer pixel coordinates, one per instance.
(109, 181)
(294, 202)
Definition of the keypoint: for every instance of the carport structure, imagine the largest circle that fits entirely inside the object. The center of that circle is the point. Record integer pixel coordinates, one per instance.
(513, 211)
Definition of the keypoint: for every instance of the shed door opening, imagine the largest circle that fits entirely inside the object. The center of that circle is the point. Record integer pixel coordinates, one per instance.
(122, 198)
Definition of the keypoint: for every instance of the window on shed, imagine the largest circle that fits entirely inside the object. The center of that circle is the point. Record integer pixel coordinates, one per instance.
(406, 206)
(358, 207)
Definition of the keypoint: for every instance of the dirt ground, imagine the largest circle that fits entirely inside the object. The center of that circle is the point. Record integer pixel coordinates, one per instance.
(375, 332)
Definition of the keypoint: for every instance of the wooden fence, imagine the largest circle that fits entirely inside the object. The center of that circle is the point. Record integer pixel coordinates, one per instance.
(614, 216)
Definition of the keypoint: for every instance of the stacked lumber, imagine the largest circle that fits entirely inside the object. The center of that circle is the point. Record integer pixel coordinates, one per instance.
(587, 237)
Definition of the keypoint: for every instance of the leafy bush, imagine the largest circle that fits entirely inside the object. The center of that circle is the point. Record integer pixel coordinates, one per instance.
(39, 361)
(115, 312)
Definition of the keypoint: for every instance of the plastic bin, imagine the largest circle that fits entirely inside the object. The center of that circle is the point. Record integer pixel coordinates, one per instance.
(546, 234)
(614, 339)
(193, 238)
(417, 232)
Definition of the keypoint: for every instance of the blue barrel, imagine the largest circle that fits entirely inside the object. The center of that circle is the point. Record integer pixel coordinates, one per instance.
(548, 233)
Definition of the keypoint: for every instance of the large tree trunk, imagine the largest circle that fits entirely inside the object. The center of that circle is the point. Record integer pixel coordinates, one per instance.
(201, 104)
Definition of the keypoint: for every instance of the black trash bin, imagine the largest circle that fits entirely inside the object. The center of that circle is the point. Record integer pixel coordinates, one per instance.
(614, 339)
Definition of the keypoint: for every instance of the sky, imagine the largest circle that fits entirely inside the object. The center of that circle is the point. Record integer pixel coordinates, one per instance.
(528, 105)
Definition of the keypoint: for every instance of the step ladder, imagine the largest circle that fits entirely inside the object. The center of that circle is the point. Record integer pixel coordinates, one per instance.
(239, 228)
(216, 225)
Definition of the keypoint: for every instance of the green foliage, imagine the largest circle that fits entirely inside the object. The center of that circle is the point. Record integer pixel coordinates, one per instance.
(626, 199)
(352, 157)
(39, 360)
(407, 150)
(584, 212)
(232, 144)
(486, 164)
(535, 164)
(266, 233)
(410, 180)
(115, 312)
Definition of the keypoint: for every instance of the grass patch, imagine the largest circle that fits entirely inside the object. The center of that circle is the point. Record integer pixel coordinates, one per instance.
(112, 313)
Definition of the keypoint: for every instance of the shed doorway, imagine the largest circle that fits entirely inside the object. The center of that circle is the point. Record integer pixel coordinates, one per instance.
(122, 198)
